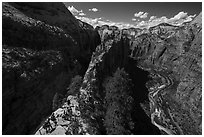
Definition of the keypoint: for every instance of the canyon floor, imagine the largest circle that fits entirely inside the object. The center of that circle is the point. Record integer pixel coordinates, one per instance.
(61, 75)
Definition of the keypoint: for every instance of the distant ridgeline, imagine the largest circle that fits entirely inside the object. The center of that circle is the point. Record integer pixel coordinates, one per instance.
(62, 76)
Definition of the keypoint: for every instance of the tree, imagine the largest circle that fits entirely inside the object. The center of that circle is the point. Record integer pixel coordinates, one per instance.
(118, 103)
(75, 85)
(115, 120)
(57, 101)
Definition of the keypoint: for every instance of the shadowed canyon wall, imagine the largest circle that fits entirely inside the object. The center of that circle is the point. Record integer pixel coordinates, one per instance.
(44, 47)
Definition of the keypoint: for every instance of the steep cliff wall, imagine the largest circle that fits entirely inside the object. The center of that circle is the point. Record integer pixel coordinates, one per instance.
(44, 46)
(172, 55)
(86, 108)
(164, 64)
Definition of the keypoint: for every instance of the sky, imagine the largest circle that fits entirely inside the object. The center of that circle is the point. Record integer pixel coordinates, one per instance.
(134, 14)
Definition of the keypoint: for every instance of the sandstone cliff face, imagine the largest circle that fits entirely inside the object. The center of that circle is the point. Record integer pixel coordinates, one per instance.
(164, 63)
(83, 113)
(172, 55)
(44, 46)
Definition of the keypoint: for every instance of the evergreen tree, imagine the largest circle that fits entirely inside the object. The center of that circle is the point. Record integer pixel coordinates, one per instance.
(75, 85)
(118, 103)
(55, 102)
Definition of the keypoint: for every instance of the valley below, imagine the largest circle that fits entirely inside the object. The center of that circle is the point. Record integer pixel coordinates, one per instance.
(61, 75)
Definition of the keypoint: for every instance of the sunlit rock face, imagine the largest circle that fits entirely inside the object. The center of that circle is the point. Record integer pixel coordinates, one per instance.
(87, 107)
(172, 56)
(44, 46)
(164, 63)
(84, 114)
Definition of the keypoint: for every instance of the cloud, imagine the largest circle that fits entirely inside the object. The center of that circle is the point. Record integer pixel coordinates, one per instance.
(144, 15)
(82, 14)
(138, 14)
(152, 18)
(133, 19)
(93, 9)
(91, 21)
(180, 15)
(190, 18)
(102, 21)
(75, 12)
(141, 15)
(178, 19)
(142, 24)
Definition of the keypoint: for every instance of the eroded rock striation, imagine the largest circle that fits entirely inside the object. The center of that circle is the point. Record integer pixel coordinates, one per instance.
(44, 46)
(163, 63)
(172, 56)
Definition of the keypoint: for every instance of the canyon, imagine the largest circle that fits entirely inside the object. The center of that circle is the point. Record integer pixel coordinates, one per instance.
(48, 53)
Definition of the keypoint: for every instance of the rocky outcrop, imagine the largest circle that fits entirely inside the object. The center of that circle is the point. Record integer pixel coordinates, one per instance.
(44, 46)
(164, 63)
(86, 109)
(172, 56)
